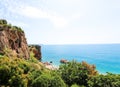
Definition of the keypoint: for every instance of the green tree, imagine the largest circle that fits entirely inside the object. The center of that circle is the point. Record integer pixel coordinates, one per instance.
(74, 72)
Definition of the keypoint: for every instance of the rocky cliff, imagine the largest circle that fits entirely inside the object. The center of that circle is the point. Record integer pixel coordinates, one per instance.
(12, 40)
(36, 49)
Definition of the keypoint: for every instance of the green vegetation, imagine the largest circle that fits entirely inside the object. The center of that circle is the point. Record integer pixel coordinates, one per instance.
(75, 85)
(16, 72)
(76, 73)
(5, 25)
(17, 28)
(48, 79)
(3, 21)
(108, 80)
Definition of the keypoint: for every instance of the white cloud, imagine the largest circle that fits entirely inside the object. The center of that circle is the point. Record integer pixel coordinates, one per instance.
(58, 21)
(24, 9)
(75, 16)
(34, 12)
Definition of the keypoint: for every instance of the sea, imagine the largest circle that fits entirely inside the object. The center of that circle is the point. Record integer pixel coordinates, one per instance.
(106, 57)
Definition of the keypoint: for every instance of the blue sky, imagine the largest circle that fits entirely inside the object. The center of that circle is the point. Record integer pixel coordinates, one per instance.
(65, 21)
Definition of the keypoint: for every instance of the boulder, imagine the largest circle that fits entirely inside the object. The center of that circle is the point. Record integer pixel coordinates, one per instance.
(63, 61)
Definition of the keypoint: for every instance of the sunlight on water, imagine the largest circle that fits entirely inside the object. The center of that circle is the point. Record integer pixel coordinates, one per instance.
(106, 57)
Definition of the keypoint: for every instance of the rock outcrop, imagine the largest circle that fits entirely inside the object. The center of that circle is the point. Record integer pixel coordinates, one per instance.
(12, 39)
(36, 49)
(63, 61)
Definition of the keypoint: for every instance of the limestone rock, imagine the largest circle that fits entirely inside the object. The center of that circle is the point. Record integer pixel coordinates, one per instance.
(13, 38)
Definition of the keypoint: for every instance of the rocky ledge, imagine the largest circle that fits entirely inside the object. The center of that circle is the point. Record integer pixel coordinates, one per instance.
(36, 49)
(13, 41)
(14, 44)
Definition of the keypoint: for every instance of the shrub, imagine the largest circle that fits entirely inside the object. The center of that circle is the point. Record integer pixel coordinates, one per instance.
(3, 21)
(12, 72)
(56, 80)
(32, 58)
(5, 25)
(17, 28)
(42, 81)
(4, 74)
(48, 79)
(17, 81)
(32, 75)
(91, 68)
(109, 80)
(74, 72)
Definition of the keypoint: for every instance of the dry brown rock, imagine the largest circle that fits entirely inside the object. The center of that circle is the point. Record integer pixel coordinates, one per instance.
(13, 38)
(36, 49)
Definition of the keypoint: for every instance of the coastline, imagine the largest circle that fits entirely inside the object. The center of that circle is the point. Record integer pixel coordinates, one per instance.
(103, 56)
(50, 66)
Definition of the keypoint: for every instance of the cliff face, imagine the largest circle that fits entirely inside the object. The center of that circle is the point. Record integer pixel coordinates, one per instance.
(13, 39)
(36, 49)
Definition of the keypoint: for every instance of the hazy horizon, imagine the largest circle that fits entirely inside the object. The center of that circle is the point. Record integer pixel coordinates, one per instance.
(80, 44)
(65, 21)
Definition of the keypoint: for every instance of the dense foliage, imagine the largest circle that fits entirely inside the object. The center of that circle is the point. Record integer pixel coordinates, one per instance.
(3, 21)
(108, 80)
(5, 25)
(74, 72)
(16, 72)
(49, 79)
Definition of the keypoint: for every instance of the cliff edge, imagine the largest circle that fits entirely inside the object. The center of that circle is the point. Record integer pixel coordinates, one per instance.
(12, 40)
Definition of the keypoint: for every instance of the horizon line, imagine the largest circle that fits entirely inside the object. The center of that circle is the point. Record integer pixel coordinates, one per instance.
(81, 44)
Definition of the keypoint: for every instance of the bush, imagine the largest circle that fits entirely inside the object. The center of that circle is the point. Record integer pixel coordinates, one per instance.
(32, 75)
(18, 81)
(25, 66)
(74, 73)
(48, 79)
(109, 80)
(56, 80)
(91, 68)
(3, 21)
(13, 72)
(4, 74)
(16, 72)
(17, 28)
(42, 81)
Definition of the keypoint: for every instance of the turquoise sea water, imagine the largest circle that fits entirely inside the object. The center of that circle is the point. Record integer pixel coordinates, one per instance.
(106, 57)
